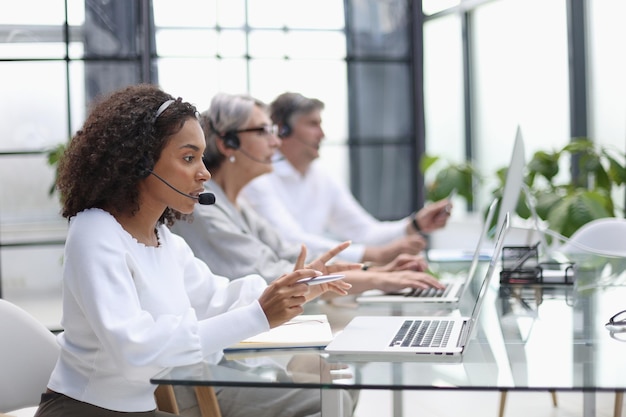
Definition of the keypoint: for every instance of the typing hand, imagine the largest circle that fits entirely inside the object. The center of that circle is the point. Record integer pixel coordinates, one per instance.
(410, 244)
(404, 262)
(400, 280)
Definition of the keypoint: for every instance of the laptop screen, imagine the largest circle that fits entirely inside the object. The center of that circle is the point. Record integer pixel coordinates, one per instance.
(474, 296)
(474, 277)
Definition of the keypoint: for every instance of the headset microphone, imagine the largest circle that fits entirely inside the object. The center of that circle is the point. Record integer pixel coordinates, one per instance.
(205, 198)
(261, 161)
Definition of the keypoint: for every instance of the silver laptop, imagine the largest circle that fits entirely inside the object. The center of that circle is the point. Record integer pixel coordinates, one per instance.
(453, 291)
(432, 338)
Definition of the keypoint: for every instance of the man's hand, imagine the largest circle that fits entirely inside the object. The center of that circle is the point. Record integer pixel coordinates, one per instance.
(433, 216)
(410, 244)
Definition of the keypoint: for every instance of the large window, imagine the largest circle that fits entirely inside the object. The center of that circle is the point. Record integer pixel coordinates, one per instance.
(607, 68)
(443, 88)
(55, 61)
(517, 63)
(520, 77)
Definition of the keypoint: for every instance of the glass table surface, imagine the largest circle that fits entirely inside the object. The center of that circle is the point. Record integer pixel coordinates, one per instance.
(527, 338)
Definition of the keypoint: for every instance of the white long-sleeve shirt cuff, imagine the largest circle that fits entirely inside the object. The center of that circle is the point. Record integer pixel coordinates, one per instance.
(219, 332)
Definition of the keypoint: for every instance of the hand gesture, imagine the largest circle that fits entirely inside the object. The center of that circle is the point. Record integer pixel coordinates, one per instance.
(320, 264)
(284, 297)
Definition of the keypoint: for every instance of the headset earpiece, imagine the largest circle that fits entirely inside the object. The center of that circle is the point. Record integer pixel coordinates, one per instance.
(143, 167)
(285, 130)
(231, 140)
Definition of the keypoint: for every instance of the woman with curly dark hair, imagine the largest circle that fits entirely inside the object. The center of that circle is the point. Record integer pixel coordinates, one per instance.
(135, 299)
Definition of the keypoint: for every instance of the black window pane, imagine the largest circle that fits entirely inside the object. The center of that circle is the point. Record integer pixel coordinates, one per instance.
(378, 28)
(381, 103)
(384, 174)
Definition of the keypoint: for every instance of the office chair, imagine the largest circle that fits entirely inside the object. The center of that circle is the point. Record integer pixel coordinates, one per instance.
(28, 353)
(503, 396)
(604, 237)
(207, 400)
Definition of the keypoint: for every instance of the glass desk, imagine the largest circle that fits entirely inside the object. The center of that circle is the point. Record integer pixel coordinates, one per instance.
(528, 338)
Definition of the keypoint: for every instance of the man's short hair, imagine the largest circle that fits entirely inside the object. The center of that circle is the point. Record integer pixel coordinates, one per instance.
(287, 106)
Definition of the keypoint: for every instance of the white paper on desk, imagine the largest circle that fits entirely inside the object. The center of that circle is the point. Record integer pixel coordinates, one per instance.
(305, 330)
(457, 255)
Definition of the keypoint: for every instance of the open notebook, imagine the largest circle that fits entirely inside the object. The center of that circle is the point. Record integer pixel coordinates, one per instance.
(432, 338)
(305, 330)
(452, 293)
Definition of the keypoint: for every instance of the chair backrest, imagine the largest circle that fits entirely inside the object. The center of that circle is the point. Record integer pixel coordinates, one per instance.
(28, 353)
(606, 236)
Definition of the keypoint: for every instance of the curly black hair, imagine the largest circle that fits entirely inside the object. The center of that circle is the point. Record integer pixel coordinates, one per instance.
(116, 148)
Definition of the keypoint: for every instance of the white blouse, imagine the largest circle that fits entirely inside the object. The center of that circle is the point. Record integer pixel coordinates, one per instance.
(131, 310)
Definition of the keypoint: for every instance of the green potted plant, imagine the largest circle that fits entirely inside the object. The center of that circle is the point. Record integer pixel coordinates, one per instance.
(565, 202)
(450, 177)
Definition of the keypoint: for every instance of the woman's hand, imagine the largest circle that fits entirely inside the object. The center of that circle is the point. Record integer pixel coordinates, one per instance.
(319, 264)
(284, 297)
(404, 262)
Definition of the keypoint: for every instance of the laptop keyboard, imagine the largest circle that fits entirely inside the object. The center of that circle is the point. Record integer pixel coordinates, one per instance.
(430, 292)
(423, 333)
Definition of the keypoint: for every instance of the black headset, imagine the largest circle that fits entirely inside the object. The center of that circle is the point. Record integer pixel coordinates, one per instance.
(285, 130)
(144, 167)
(231, 140)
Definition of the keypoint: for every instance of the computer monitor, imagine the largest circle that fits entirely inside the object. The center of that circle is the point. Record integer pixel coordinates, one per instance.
(514, 179)
(514, 186)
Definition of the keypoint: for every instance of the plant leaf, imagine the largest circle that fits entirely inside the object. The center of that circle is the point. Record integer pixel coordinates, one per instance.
(427, 161)
(446, 180)
(546, 202)
(544, 164)
(601, 178)
(575, 210)
(617, 172)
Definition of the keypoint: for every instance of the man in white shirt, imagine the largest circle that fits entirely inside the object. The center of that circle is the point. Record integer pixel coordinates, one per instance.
(305, 204)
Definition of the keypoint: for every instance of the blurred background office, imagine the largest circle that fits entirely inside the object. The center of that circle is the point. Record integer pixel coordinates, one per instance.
(399, 78)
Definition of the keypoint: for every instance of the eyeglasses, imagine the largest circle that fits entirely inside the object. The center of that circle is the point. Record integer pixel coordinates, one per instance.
(617, 323)
(263, 130)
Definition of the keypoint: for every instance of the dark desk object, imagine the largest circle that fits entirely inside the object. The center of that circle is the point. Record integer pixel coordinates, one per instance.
(555, 342)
